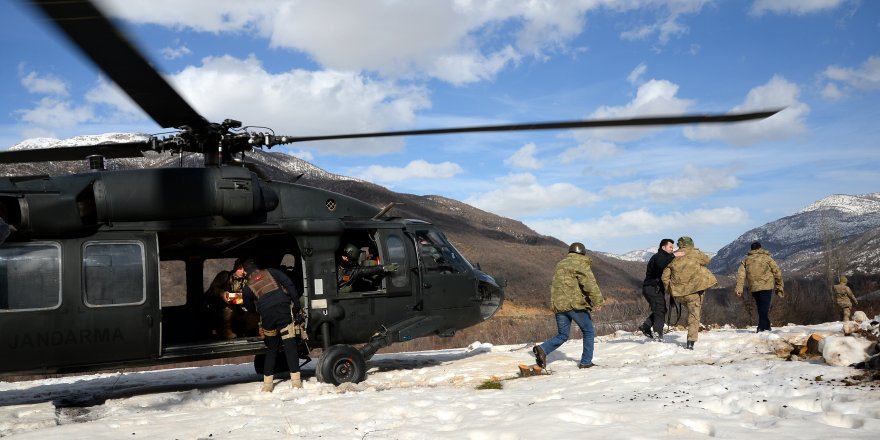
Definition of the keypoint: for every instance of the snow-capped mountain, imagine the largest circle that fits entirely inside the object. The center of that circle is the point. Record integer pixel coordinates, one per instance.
(641, 255)
(273, 164)
(797, 241)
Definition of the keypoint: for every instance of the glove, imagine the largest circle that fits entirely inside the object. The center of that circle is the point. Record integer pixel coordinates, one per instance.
(390, 267)
(780, 294)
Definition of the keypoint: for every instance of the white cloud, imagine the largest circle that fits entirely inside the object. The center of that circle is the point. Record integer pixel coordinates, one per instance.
(300, 102)
(54, 113)
(690, 182)
(668, 22)
(654, 97)
(591, 149)
(173, 53)
(417, 169)
(522, 194)
(637, 222)
(108, 93)
(776, 93)
(866, 77)
(796, 7)
(636, 75)
(33, 82)
(449, 40)
(525, 158)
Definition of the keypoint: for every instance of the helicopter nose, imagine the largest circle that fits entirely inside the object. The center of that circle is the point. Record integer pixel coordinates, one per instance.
(491, 296)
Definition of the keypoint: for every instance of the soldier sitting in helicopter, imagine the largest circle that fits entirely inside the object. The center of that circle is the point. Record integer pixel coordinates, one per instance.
(224, 299)
(352, 277)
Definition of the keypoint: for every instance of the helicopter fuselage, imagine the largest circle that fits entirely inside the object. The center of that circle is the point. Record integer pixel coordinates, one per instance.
(109, 269)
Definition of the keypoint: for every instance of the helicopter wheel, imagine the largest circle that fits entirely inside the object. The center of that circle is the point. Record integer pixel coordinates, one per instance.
(340, 364)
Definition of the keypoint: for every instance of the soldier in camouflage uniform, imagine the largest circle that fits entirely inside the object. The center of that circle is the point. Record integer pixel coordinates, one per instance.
(685, 278)
(573, 294)
(763, 276)
(844, 296)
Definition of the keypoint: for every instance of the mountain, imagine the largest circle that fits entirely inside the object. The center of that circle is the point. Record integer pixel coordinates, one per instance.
(641, 255)
(503, 247)
(844, 225)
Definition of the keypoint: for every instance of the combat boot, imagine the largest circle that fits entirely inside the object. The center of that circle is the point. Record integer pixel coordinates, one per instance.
(268, 384)
(690, 345)
(646, 329)
(296, 380)
(658, 337)
(540, 356)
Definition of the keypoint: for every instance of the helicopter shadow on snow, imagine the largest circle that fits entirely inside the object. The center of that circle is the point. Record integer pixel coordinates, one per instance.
(91, 391)
(416, 360)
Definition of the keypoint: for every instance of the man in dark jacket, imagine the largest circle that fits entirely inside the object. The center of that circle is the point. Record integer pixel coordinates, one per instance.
(652, 290)
(270, 293)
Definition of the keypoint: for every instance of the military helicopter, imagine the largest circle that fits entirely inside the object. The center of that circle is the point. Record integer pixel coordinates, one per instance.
(81, 279)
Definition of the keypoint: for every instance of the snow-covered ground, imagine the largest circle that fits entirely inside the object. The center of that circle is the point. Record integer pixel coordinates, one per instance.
(730, 386)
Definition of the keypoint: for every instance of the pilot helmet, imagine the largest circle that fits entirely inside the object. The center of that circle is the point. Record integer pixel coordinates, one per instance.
(577, 248)
(352, 251)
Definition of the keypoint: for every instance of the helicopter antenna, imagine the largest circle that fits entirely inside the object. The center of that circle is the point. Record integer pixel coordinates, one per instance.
(385, 209)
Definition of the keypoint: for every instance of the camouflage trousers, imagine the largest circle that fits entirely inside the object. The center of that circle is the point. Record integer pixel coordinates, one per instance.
(694, 304)
(846, 311)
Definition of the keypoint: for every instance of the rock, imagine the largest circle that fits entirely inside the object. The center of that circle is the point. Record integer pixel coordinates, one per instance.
(842, 351)
(850, 327)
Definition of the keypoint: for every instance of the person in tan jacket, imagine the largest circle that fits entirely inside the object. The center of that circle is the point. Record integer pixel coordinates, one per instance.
(844, 296)
(686, 278)
(763, 276)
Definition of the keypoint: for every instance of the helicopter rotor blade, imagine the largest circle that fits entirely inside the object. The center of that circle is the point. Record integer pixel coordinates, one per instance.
(92, 32)
(111, 151)
(590, 123)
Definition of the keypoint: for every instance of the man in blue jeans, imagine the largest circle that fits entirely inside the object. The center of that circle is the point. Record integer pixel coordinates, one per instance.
(573, 295)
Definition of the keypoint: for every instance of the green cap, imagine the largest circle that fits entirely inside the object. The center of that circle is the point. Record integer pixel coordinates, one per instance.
(685, 242)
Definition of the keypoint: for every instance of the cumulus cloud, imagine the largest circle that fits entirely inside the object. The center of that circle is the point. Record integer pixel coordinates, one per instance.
(796, 7)
(668, 22)
(842, 80)
(523, 194)
(34, 82)
(56, 113)
(452, 41)
(525, 158)
(690, 182)
(654, 97)
(590, 149)
(776, 93)
(417, 169)
(637, 222)
(301, 102)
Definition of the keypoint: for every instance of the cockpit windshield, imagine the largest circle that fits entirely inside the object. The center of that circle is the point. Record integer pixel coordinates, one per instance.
(439, 255)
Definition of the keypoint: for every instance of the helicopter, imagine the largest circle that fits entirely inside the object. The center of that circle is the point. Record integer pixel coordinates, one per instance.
(81, 274)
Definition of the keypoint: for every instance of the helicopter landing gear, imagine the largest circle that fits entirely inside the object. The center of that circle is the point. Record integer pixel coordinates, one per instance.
(341, 363)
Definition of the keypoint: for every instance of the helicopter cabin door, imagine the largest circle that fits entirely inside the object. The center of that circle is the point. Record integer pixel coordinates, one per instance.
(120, 296)
(447, 280)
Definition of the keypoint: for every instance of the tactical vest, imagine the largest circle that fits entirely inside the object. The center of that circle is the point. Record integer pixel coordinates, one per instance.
(262, 282)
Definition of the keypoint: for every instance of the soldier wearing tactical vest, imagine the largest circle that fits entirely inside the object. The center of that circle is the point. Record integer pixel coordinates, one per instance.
(686, 278)
(224, 300)
(844, 296)
(763, 276)
(271, 293)
(573, 295)
(352, 277)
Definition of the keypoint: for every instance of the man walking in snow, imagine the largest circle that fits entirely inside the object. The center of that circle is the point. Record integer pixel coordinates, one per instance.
(653, 290)
(845, 297)
(573, 294)
(685, 278)
(763, 276)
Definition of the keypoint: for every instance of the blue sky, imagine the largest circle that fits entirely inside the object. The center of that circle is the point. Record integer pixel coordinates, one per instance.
(323, 67)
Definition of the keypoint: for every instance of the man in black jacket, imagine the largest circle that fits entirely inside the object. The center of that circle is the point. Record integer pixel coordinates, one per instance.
(270, 293)
(652, 289)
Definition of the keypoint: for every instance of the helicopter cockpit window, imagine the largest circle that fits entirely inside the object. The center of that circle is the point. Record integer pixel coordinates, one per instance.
(113, 273)
(30, 276)
(358, 263)
(438, 255)
(397, 254)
